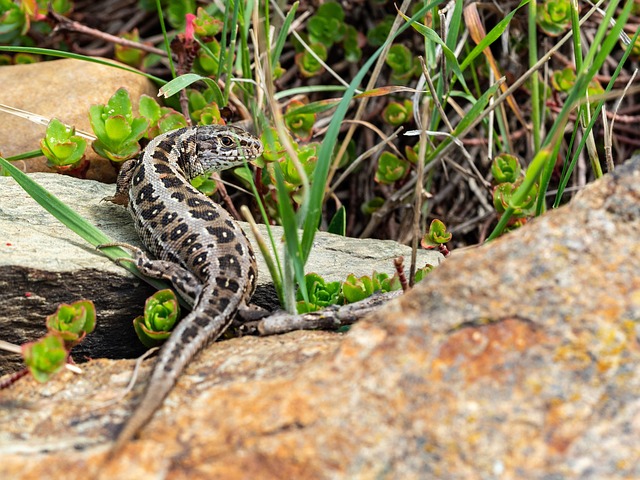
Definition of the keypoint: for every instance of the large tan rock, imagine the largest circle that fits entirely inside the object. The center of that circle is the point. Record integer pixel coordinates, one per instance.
(519, 359)
(64, 89)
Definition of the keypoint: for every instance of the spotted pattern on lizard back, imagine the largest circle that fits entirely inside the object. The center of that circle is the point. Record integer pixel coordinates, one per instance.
(197, 245)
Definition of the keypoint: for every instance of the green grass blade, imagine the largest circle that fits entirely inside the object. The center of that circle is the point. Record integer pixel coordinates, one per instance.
(432, 36)
(491, 37)
(566, 175)
(290, 226)
(307, 90)
(167, 43)
(595, 58)
(313, 107)
(183, 81)
(273, 265)
(456, 24)
(535, 84)
(316, 197)
(276, 272)
(77, 56)
(338, 224)
(24, 156)
(282, 35)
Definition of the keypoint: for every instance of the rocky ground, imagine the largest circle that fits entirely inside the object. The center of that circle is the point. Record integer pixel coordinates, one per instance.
(517, 359)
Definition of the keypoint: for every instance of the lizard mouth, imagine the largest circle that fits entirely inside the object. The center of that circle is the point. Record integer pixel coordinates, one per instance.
(253, 150)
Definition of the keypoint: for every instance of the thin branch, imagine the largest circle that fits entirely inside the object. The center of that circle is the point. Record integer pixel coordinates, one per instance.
(66, 25)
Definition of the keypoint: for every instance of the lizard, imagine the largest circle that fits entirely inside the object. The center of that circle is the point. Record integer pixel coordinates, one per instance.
(197, 245)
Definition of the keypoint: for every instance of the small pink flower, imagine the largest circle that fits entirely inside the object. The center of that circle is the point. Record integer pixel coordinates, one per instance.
(188, 31)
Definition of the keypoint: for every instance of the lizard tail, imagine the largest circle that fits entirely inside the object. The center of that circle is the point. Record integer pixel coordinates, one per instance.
(190, 335)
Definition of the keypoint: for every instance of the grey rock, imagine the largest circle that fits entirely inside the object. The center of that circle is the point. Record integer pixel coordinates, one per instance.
(43, 264)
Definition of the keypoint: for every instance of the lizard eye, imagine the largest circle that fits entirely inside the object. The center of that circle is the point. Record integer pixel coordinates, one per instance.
(226, 141)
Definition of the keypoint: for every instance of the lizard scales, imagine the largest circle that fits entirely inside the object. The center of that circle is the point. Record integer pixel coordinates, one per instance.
(196, 244)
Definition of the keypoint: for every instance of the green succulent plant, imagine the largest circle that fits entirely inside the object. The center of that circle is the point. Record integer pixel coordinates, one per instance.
(62, 147)
(321, 294)
(160, 119)
(116, 129)
(505, 168)
(45, 357)
(73, 322)
(356, 289)
(391, 168)
(161, 312)
(554, 17)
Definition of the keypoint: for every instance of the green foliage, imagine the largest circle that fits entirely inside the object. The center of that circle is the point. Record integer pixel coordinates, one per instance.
(402, 62)
(209, 115)
(356, 289)
(13, 21)
(372, 205)
(308, 65)
(129, 55)
(206, 25)
(421, 273)
(505, 168)
(307, 156)
(327, 26)
(352, 50)
(300, 124)
(176, 11)
(396, 113)
(506, 176)
(503, 198)
(292, 170)
(61, 7)
(541, 167)
(411, 152)
(160, 119)
(338, 223)
(554, 16)
(565, 80)
(66, 328)
(62, 147)
(378, 34)
(321, 294)
(25, 59)
(205, 184)
(391, 168)
(45, 357)
(203, 107)
(18, 19)
(161, 312)
(73, 322)
(207, 61)
(436, 236)
(116, 129)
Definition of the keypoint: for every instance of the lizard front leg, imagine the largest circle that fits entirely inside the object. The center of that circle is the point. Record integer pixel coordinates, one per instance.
(122, 184)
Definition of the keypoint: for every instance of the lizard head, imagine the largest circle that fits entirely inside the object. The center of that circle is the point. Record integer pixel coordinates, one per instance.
(222, 146)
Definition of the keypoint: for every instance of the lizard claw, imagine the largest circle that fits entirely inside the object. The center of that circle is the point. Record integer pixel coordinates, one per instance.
(124, 245)
(119, 260)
